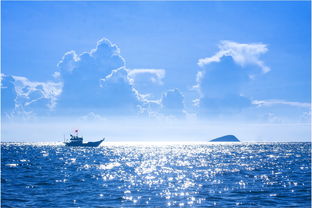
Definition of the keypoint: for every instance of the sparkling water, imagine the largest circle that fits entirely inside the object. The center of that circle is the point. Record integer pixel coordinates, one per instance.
(157, 175)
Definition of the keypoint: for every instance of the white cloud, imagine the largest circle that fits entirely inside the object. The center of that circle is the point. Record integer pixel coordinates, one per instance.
(220, 81)
(199, 77)
(56, 75)
(119, 91)
(119, 81)
(215, 58)
(98, 80)
(95, 81)
(29, 92)
(99, 61)
(68, 61)
(24, 98)
(196, 102)
(117, 75)
(242, 54)
(280, 102)
(156, 75)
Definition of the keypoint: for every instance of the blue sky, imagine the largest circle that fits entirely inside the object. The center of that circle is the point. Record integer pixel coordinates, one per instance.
(196, 64)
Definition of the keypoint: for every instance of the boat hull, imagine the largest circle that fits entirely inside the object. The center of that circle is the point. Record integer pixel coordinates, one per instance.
(81, 144)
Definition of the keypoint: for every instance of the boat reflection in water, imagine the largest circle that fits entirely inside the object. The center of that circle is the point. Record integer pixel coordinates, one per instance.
(76, 141)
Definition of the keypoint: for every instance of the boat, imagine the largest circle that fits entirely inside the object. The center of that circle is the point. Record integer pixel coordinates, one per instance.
(77, 141)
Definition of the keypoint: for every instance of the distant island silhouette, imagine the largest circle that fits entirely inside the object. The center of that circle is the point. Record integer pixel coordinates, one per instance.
(226, 138)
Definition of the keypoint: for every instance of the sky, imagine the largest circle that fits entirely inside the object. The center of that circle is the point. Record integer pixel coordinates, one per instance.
(156, 71)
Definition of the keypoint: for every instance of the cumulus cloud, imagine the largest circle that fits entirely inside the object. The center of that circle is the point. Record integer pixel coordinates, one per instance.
(98, 61)
(93, 81)
(219, 87)
(97, 80)
(118, 91)
(243, 54)
(220, 81)
(68, 62)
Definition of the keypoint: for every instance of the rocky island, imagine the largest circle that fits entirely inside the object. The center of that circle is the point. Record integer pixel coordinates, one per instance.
(226, 138)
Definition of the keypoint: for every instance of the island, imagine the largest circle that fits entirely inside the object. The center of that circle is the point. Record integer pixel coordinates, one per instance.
(226, 138)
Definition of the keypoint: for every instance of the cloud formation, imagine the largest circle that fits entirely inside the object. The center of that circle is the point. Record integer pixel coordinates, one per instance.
(20, 95)
(95, 81)
(119, 92)
(152, 75)
(31, 92)
(98, 61)
(219, 86)
(221, 80)
(98, 81)
(223, 75)
(242, 53)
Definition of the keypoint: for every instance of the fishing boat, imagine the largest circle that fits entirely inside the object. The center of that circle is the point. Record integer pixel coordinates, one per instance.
(77, 141)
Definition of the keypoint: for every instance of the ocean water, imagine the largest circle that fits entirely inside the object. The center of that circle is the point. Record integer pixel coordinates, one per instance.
(157, 175)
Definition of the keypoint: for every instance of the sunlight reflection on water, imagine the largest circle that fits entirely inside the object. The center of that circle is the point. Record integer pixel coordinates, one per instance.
(198, 174)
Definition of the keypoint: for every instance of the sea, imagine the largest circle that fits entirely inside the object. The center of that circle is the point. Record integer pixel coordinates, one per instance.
(156, 175)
